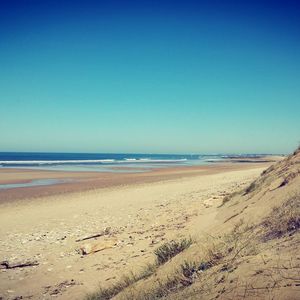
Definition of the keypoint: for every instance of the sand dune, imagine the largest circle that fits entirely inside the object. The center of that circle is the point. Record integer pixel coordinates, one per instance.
(248, 249)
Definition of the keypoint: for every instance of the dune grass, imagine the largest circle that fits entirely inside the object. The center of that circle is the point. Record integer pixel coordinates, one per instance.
(230, 196)
(220, 254)
(163, 253)
(297, 150)
(124, 282)
(283, 220)
(250, 188)
(168, 250)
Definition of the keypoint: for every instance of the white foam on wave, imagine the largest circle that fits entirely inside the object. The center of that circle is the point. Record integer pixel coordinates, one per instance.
(51, 162)
(87, 161)
(143, 160)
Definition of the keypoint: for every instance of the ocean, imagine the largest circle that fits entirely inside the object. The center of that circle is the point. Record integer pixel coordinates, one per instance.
(105, 162)
(102, 162)
(97, 162)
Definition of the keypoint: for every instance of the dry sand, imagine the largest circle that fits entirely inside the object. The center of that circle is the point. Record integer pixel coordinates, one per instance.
(141, 211)
(245, 246)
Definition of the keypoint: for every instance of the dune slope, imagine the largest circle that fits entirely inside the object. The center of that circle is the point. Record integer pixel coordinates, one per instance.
(250, 250)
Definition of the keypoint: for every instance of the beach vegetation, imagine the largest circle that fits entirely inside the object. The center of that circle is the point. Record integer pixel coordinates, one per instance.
(297, 150)
(124, 282)
(250, 188)
(163, 253)
(228, 198)
(217, 255)
(283, 220)
(170, 249)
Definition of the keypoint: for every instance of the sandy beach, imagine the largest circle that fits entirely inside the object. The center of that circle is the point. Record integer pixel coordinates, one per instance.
(149, 150)
(132, 214)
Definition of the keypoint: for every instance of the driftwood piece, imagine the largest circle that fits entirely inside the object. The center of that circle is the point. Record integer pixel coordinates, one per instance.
(98, 246)
(104, 232)
(8, 265)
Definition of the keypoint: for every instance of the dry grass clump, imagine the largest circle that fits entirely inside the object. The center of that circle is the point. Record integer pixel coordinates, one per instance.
(226, 199)
(168, 250)
(185, 276)
(267, 171)
(250, 188)
(124, 282)
(297, 150)
(240, 242)
(230, 196)
(191, 270)
(225, 251)
(222, 254)
(283, 220)
(161, 290)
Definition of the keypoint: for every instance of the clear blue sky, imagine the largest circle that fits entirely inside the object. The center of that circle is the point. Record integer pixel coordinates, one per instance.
(150, 76)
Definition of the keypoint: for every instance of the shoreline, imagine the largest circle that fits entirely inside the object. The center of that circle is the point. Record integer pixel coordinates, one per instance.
(85, 181)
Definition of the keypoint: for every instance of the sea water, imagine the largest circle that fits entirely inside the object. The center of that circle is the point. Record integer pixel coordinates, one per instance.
(101, 162)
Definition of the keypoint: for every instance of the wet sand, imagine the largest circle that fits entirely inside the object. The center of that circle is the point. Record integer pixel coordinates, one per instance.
(84, 181)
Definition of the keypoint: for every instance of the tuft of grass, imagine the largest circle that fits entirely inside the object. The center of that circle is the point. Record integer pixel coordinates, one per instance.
(189, 270)
(250, 188)
(230, 196)
(113, 290)
(226, 199)
(148, 270)
(170, 249)
(283, 220)
(124, 282)
(182, 278)
(297, 150)
(267, 171)
(162, 290)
